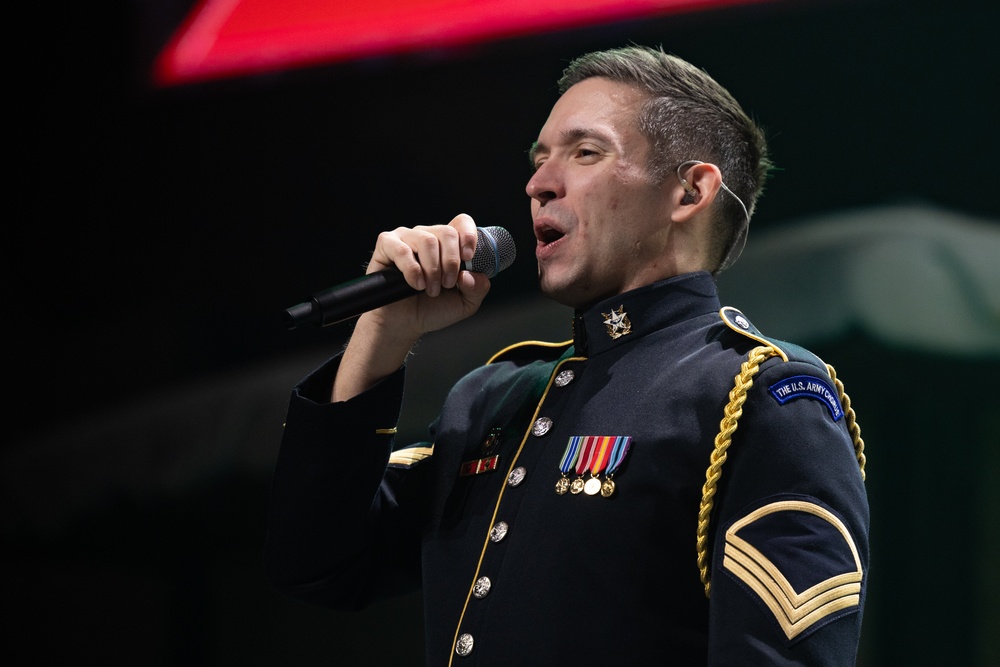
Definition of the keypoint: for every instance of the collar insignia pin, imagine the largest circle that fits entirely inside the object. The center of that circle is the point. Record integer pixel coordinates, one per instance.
(617, 322)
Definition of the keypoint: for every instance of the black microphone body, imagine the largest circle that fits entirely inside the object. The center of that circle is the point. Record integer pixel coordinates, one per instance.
(495, 251)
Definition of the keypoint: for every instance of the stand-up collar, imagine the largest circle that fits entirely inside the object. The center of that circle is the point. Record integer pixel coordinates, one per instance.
(634, 314)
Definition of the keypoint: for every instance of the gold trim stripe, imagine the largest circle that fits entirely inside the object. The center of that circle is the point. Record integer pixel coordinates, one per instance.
(410, 455)
(524, 343)
(792, 628)
(794, 611)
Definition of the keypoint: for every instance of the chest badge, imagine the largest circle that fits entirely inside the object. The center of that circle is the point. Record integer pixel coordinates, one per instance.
(489, 460)
(617, 323)
(593, 454)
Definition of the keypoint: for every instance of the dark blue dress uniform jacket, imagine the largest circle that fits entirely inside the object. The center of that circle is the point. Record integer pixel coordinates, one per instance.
(513, 573)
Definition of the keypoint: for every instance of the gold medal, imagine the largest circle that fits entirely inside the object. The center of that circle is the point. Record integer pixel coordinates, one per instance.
(596, 454)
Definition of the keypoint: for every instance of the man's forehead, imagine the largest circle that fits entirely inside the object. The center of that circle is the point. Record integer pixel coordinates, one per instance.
(599, 94)
(596, 103)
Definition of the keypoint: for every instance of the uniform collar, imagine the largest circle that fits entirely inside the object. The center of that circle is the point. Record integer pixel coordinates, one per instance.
(631, 315)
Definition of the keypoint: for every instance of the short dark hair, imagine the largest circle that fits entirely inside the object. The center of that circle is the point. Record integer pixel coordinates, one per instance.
(688, 116)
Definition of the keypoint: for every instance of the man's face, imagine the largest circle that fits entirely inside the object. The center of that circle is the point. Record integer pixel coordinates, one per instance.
(600, 220)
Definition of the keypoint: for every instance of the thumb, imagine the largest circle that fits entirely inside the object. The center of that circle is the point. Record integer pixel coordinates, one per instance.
(473, 287)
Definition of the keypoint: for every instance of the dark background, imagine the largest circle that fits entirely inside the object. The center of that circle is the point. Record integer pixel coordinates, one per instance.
(157, 235)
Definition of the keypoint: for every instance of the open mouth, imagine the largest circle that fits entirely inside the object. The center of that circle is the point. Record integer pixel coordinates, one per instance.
(547, 235)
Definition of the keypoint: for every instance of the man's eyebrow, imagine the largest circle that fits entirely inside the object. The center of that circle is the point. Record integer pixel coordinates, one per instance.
(577, 133)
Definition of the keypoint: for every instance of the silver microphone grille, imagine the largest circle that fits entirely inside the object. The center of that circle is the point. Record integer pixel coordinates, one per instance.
(495, 251)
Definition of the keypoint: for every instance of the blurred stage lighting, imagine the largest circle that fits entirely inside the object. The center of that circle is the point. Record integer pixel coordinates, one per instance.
(232, 38)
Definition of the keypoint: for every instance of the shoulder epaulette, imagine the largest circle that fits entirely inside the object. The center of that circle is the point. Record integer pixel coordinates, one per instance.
(739, 323)
(531, 350)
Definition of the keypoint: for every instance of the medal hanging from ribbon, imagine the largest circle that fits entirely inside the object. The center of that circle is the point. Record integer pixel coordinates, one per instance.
(602, 452)
(594, 454)
(567, 463)
(618, 452)
(587, 448)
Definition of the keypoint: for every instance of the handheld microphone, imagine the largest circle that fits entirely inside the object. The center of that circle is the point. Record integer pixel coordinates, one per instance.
(495, 251)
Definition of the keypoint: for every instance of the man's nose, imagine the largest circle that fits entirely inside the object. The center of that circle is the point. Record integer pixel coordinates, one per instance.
(545, 184)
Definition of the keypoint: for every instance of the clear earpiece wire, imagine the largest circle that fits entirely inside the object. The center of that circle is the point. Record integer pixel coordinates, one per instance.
(724, 186)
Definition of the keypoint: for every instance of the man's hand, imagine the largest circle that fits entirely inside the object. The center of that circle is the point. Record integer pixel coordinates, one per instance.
(430, 258)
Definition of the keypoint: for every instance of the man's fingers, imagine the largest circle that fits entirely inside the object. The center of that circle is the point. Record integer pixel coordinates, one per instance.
(393, 249)
(430, 257)
(466, 228)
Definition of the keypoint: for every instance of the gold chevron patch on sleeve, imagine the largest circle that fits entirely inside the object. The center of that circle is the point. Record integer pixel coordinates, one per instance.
(795, 611)
(407, 457)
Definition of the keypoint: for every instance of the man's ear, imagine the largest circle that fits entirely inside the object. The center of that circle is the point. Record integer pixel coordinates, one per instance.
(698, 184)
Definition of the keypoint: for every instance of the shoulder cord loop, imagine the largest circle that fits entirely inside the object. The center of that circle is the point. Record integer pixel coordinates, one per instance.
(732, 413)
(852, 422)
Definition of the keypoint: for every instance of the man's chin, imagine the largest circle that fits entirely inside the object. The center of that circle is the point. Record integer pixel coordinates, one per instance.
(561, 292)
